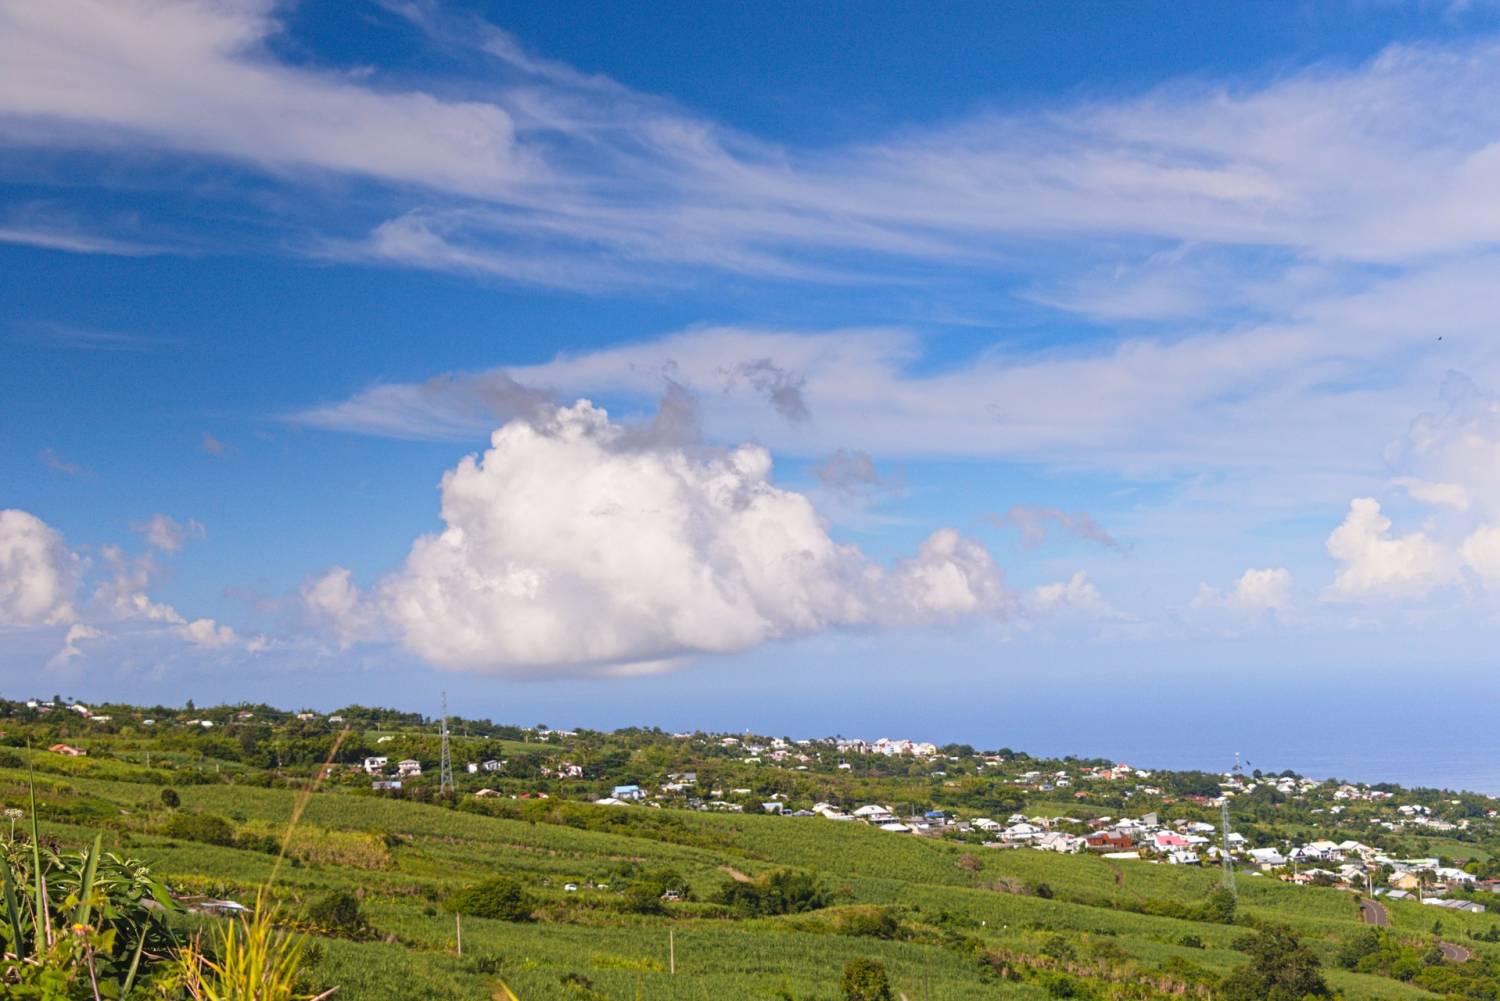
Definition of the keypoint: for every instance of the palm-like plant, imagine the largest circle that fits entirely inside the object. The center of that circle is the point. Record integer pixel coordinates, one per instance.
(76, 924)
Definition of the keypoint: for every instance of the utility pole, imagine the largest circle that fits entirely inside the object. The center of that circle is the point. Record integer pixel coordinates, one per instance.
(445, 775)
(671, 953)
(458, 931)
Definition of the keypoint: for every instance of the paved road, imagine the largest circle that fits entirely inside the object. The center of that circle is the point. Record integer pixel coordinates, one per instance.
(1373, 912)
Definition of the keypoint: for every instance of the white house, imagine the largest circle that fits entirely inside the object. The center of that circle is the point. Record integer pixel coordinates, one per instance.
(874, 813)
(374, 766)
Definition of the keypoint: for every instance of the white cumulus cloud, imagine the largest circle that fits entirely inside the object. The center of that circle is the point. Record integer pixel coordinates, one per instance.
(1375, 564)
(568, 546)
(1255, 592)
(1077, 596)
(78, 633)
(38, 573)
(1481, 553)
(336, 607)
(208, 634)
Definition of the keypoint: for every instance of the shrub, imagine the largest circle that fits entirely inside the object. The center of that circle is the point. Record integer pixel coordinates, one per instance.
(10, 759)
(576, 982)
(499, 898)
(865, 980)
(784, 891)
(1059, 948)
(642, 898)
(871, 922)
(170, 799)
(338, 913)
(1220, 906)
(1364, 943)
(204, 827)
(1281, 968)
(1060, 985)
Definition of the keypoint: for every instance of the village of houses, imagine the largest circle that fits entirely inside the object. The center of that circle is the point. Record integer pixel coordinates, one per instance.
(1348, 864)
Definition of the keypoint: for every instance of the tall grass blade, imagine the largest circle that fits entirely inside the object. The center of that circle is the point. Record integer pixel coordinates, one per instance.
(86, 888)
(135, 964)
(42, 919)
(12, 910)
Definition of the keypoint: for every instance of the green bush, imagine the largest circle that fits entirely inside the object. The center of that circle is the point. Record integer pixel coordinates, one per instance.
(870, 922)
(784, 891)
(642, 898)
(170, 799)
(1281, 968)
(338, 913)
(1220, 906)
(204, 827)
(865, 980)
(499, 898)
(1060, 985)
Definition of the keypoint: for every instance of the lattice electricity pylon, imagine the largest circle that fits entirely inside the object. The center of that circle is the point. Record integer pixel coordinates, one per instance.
(1226, 861)
(445, 774)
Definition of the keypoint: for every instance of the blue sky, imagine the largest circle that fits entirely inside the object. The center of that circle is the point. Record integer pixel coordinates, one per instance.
(996, 344)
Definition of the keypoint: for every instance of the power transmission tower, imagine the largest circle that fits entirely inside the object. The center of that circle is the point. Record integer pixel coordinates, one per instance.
(445, 775)
(1226, 861)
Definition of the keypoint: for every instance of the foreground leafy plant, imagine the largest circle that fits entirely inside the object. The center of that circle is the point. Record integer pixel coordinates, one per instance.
(77, 924)
(255, 960)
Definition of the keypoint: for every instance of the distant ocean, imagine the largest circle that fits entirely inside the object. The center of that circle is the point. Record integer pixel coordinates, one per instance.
(1435, 734)
(1417, 728)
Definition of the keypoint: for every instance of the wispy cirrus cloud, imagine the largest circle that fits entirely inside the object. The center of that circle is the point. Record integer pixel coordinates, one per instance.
(49, 458)
(71, 336)
(74, 242)
(1034, 523)
(1300, 406)
(534, 171)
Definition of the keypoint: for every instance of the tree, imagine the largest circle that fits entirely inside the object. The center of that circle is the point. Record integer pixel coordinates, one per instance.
(338, 913)
(1364, 943)
(500, 898)
(641, 898)
(1219, 906)
(170, 799)
(1281, 968)
(784, 891)
(865, 980)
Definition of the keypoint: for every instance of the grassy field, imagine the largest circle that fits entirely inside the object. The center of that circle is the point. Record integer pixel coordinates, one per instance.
(953, 904)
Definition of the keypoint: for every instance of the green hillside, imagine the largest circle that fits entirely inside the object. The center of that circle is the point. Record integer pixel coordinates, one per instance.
(616, 896)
